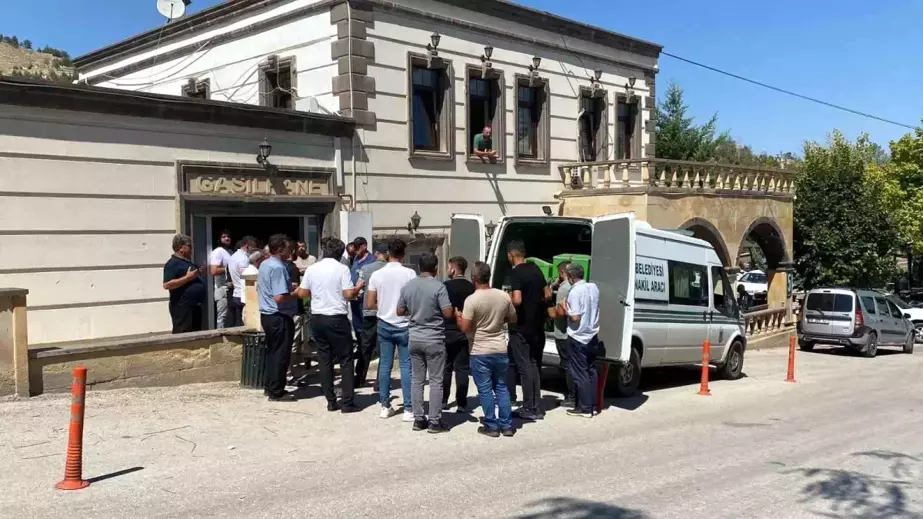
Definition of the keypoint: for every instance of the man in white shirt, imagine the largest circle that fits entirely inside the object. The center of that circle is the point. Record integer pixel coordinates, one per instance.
(238, 261)
(217, 267)
(383, 294)
(582, 309)
(330, 288)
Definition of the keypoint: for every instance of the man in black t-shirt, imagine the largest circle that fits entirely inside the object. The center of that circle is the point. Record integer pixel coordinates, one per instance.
(187, 288)
(456, 342)
(527, 336)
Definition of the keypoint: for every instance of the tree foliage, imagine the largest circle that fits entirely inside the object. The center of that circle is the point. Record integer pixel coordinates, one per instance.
(845, 234)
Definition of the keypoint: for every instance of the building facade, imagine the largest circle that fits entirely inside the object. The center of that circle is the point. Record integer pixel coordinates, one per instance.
(96, 182)
(421, 78)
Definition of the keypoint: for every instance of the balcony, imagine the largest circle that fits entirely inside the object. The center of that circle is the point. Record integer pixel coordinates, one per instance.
(675, 175)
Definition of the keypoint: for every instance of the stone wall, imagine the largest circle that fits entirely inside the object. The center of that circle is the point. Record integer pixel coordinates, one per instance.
(163, 360)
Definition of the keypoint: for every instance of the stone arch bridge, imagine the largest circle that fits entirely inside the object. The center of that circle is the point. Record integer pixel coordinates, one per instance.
(734, 208)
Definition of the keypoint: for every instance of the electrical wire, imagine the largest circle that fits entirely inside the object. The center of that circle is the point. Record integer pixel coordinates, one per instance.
(789, 92)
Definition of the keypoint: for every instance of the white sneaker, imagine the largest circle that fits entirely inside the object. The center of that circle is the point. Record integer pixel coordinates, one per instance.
(387, 412)
(408, 416)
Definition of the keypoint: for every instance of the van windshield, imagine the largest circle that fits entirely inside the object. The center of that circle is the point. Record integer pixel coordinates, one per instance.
(830, 302)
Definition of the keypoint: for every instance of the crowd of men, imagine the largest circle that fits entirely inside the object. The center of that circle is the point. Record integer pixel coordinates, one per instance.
(435, 329)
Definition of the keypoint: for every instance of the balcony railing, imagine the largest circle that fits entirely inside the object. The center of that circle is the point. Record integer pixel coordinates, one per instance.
(762, 322)
(677, 174)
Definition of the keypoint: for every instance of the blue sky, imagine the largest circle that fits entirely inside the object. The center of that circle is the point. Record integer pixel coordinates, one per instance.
(857, 53)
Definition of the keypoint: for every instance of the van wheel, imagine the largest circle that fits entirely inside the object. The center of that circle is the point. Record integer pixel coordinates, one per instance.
(871, 346)
(908, 344)
(733, 367)
(806, 345)
(628, 376)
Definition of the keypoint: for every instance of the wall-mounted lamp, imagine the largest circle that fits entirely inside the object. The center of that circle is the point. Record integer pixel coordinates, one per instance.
(486, 65)
(432, 48)
(533, 69)
(490, 228)
(629, 87)
(265, 151)
(547, 210)
(594, 82)
(414, 223)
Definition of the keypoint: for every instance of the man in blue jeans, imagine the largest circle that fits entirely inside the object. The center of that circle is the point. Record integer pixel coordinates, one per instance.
(383, 294)
(485, 318)
(582, 309)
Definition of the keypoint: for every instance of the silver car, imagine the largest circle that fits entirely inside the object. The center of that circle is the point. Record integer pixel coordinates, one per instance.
(861, 320)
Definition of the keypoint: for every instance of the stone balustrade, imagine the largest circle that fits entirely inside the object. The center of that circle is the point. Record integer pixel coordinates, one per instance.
(762, 322)
(675, 174)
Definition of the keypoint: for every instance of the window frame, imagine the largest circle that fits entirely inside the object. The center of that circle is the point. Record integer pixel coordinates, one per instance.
(200, 86)
(446, 116)
(602, 133)
(543, 137)
(705, 299)
(266, 91)
(499, 125)
(634, 145)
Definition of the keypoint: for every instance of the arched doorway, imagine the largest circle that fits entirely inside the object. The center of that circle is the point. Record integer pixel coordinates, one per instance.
(763, 257)
(704, 230)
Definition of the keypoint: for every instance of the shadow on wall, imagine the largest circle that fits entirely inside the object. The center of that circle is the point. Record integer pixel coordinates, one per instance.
(579, 509)
(848, 493)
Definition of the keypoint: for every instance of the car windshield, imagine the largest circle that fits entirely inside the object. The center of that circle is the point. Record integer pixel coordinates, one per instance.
(830, 302)
(755, 277)
(899, 302)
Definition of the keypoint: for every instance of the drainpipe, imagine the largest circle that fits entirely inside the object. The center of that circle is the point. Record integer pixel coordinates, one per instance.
(352, 105)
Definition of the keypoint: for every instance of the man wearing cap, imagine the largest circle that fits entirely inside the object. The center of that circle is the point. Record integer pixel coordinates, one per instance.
(368, 336)
(362, 258)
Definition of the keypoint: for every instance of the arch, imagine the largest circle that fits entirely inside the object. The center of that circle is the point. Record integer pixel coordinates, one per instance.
(705, 230)
(767, 234)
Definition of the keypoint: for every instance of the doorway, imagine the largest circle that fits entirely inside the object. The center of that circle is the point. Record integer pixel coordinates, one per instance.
(260, 227)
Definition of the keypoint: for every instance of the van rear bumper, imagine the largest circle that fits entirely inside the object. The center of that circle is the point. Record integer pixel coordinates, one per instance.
(857, 340)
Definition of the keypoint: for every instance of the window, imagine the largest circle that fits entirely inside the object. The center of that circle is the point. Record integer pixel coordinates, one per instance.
(723, 294)
(277, 83)
(895, 311)
(197, 89)
(626, 140)
(532, 125)
(820, 302)
(869, 304)
(485, 108)
(688, 284)
(898, 302)
(593, 126)
(431, 107)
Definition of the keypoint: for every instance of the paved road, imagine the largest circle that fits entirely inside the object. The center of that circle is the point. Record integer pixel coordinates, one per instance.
(845, 441)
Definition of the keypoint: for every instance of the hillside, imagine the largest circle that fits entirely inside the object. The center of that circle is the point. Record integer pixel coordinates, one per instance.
(46, 63)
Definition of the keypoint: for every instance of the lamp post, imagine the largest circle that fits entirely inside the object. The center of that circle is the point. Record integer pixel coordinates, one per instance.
(414, 223)
(265, 151)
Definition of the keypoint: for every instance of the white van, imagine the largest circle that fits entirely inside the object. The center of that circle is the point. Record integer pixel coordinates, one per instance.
(662, 293)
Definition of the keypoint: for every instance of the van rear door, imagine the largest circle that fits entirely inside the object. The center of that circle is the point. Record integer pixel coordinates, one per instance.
(612, 268)
(467, 237)
(829, 312)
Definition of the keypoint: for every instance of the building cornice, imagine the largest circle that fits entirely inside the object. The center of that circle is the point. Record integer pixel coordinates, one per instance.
(232, 9)
(80, 98)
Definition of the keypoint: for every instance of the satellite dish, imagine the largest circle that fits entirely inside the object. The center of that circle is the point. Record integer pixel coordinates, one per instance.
(172, 9)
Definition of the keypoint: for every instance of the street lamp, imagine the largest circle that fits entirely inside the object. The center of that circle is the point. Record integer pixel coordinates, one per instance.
(486, 65)
(265, 151)
(414, 222)
(629, 87)
(490, 227)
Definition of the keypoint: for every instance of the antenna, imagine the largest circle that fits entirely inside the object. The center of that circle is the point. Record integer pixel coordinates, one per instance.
(172, 9)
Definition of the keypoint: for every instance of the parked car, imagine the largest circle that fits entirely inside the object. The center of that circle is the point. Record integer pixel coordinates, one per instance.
(755, 284)
(912, 313)
(861, 320)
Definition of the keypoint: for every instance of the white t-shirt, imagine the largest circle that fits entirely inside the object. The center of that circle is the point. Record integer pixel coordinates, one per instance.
(219, 258)
(236, 265)
(387, 283)
(327, 279)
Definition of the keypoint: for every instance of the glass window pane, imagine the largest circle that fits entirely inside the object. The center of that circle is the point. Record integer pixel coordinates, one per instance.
(526, 94)
(524, 145)
(478, 87)
(869, 304)
(423, 123)
(688, 284)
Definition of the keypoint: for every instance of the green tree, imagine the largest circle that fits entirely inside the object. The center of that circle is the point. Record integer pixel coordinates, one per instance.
(678, 137)
(27, 44)
(844, 232)
(901, 178)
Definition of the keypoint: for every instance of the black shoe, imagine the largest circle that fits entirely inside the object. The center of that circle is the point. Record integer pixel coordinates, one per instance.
(525, 415)
(284, 397)
(437, 427)
(569, 403)
(333, 407)
(493, 433)
(348, 409)
(420, 425)
(540, 415)
(580, 414)
(445, 407)
(508, 432)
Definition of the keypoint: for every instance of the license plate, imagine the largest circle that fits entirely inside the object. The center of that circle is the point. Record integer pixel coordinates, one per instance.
(818, 321)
